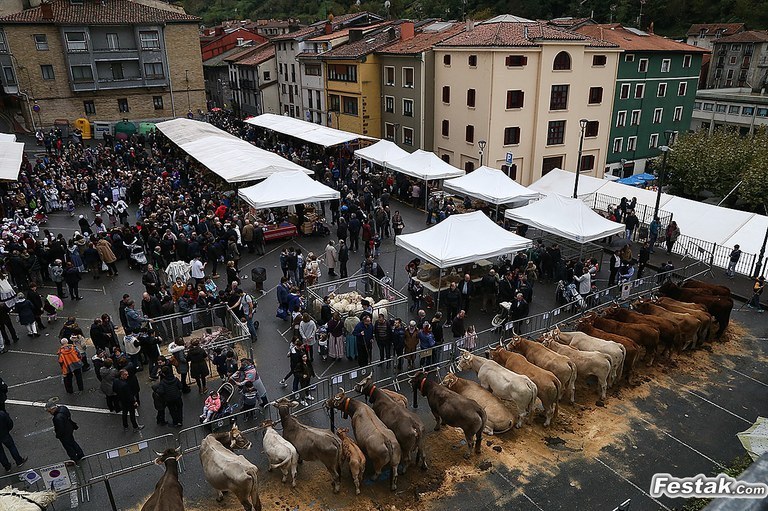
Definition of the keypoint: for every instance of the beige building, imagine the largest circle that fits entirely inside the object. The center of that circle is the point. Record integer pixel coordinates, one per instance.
(522, 87)
(106, 61)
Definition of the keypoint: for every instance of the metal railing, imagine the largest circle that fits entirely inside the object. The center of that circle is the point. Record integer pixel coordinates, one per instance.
(644, 212)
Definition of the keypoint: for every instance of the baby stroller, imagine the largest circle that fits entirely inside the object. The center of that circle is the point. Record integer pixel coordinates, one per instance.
(565, 294)
(320, 229)
(222, 420)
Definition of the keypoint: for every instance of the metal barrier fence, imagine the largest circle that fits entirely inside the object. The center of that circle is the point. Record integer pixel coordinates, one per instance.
(644, 212)
(568, 249)
(716, 255)
(364, 284)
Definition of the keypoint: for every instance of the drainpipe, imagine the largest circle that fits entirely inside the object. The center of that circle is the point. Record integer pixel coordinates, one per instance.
(170, 80)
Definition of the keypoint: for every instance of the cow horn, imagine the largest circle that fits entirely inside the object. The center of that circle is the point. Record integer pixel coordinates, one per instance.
(158, 453)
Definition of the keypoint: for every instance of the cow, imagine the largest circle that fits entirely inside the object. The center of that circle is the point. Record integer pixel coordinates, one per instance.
(589, 363)
(452, 409)
(312, 444)
(631, 347)
(354, 457)
(374, 438)
(499, 417)
(406, 425)
(280, 452)
(718, 306)
(505, 384)
(644, 335)
(714, 289)
(699, 311)
(669, 332)
(548, 387)
(227, 471)
(168, 494)
(688, 324)
(396, 397)
(560, 366)
(584, 342)
(21, 500)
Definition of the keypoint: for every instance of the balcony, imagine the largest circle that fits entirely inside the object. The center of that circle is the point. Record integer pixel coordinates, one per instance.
(108, 54)
(763, 62)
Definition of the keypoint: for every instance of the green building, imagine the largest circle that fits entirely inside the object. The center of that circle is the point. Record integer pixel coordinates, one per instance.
(655, 90)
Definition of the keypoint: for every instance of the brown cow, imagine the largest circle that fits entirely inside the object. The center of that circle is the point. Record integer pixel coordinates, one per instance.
(631, 347)
(353, 456)
(226, 471)
(452, 409)
(396, 397)
(714, 289)
(589, 363)
(699, 311)
(500, 417)
(646, 336)
(718, 306)
(559, 365)
(548, 387)
(168, 494)
(688, 324)
(669, 332)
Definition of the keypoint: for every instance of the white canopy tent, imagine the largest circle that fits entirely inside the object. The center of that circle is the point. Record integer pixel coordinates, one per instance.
(566, 217)
(382, 152)
(286, 189)
(561, 182)
(7, 137)
(706, 221)
(490, 185)
(231, 158)
(10, 160)
(304, 130)
(425, 165)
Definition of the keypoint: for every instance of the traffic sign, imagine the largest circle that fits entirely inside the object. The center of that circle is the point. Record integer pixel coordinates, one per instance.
(509, 159)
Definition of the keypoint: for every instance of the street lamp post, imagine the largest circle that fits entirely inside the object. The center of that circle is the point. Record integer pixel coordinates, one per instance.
(665, 150)
(583, 125)
(759, 265)
(481, 145)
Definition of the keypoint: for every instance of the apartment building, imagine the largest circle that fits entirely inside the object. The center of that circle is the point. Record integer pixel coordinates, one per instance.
(729, 108)
(218, 40)
(253, 77)
(704, 34)
(740, 60)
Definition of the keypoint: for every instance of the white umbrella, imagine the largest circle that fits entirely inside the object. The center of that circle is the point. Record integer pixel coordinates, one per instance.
(755, 439)
(178, 269)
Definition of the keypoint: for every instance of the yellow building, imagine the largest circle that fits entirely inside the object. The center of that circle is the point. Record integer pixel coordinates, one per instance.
(353, 81)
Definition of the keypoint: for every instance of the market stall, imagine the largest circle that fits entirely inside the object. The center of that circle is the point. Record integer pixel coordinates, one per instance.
(381, 153)
(304, 130)
(491, 186)
(425, 166)
(10, 159)
(561, 182)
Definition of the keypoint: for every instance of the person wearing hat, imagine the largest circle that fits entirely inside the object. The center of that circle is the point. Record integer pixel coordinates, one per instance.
(64, 429)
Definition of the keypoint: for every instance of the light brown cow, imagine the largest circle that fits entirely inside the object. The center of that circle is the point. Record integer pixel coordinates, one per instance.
(688, 324)
(559, 365)
(644, 335)
(281, 453)
(589, 363)
(227, 471)
(168, 494)
(707, 330)
(633, 350)
(354, 457)
(499, 418)
(584, 342)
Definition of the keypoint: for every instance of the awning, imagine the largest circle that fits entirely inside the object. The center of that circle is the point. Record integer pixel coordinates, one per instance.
(461, 239)
(231, 158)
(566, 217)
(382, 152)
(285, 189)
(561, 182)
(637, 179)
(490, 185)
(425, 166)
(10, 160)
(308, 131)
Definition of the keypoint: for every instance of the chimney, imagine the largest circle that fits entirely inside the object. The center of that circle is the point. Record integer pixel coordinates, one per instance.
(406, 30)
(391, 34)
(650, 28)
(328, 27)
(470, 25)
(355, 34)
(46, 9)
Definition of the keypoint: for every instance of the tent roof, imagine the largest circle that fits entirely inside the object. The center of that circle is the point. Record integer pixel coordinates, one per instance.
(707, 221)
(637, 179)
(461, 239)
(308, 131)
(285, 189)
(750, 236)
(382, 152)
(10, 160)
(561, 182)
(233, 159)
(646, 198)
(566, 217)
(7, 137)
(425, 165)
(490, 185)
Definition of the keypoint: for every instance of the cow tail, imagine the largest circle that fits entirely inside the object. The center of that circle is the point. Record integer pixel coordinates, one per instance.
(572, 380)
(254, 492)
(559, 388)
(532, 404)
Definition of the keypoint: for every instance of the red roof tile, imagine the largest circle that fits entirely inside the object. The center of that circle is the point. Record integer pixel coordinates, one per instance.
(263, 54)
(109, 12)
(368, 44)
(317, 28)
(517, 34)
(422, 40)
(634, 41)
(712, 28)
(750, 36)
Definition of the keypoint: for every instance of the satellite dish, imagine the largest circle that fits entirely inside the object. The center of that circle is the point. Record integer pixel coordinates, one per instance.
(387, 4)
(357, 3)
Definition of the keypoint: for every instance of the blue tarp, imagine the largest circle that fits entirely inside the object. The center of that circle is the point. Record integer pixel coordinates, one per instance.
(637, 179)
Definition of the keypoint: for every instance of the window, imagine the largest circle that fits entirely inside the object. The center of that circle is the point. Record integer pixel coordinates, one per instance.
(350, 105)
(662, 90)
(735, 47)
(153, 70)
(408, 107)
(657, 113)
(682, 88)
(720, 109)
(595, 95)
(553, 162)
(122, 105)
(686, 61)
(625, 88)
(708, 107)
(599, 60)
(469, 133)
(631, 143)
(445, 127)
(113, 42)
(82, 74)
(389, 131)
(558, 98)
(587, 162)
(389, 104)
(342, 73)
(267, 76)
(469, 166)
(471, 98)
(592, 129)
(665, 65)
(515, 99)
(472, 61)
(408, 136)
(446, 60)
(556, 132)
(408, 77)
(621, 118)
(516, 60)
(642, 66)
(562, 62)
(89, 107)
(747, 110)
(678, 115)
(47, 72)
(634, 120)
(117, 70)
(639, 90)
(697, 105)
(446, 94)
(334, 103)
(732, 60)
(733, 110)
(446, 158)
(76, 41)
(41, 42)
(309, 100)
(762, 112)
(313, 70)
(510, 170)
(654, 140)
(389, 75)
(3, 45)
(511, 135)
(285, 91)
(617, 144)
(629, 57)
(157, 102)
